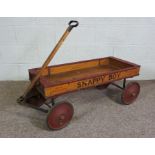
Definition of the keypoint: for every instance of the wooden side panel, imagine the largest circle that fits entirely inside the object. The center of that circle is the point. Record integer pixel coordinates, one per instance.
(58, 69)
(90, 82)
(73, 67)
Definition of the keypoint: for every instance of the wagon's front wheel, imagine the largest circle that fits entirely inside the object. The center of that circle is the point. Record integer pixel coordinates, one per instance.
(60, 115)
(130, 93)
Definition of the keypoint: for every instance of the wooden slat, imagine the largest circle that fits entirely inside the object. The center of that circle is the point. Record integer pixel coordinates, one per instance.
(73, 67)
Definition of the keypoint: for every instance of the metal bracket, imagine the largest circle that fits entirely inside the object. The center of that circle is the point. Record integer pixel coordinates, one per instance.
(53, 102)
(124, 84)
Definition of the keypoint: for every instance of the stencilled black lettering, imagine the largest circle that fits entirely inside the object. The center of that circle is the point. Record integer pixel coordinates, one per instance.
(91, 82)
(114, 76)
(79, 85)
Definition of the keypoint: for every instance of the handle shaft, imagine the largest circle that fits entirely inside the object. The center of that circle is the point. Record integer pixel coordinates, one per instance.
(49, 58)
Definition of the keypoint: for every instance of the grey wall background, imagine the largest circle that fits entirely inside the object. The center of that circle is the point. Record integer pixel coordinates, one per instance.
(26, 42)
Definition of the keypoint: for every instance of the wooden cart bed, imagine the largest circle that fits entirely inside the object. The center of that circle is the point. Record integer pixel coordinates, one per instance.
(60, 79)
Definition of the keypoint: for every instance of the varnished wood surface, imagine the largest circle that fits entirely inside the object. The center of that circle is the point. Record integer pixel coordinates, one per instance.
(64, 78)
(63, 68)
(56, 90)
(78, 74)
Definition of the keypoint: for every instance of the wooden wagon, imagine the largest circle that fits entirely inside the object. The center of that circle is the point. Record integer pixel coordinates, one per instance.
(57, 80)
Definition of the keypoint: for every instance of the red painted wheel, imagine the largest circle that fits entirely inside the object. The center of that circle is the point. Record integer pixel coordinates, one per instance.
(60, 116)
(104, 86)
(130, 93)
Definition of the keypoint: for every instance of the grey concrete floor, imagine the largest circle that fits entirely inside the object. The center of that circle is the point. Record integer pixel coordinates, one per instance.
(97, 114)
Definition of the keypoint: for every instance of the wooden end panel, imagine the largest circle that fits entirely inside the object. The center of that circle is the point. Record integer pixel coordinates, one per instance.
(90, 82)
(34, 71)
(121, 63)
(104, 61)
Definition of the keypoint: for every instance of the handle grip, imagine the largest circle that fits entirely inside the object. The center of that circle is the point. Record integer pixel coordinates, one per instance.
(72, 24)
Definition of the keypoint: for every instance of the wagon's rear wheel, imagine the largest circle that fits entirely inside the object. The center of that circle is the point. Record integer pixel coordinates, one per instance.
(130, 93)
(60, 115)
(104, 86)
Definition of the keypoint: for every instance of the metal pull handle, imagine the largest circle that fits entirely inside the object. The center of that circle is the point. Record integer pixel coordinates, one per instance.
(72, 24)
